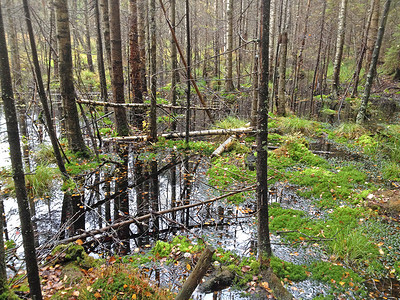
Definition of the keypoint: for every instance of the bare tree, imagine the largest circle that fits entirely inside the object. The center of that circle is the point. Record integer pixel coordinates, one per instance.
(17, 168)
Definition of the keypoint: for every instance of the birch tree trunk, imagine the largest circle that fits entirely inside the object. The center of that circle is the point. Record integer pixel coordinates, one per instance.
(339, 48)
(372, 69)
(372, 32)
(106, 31)
(87, 37)
(281, 104)
(100, 54)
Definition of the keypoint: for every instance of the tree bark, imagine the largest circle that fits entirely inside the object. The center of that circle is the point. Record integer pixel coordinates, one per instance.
(87, 37)
(106, 32)
(339, 48)
(174, 62)
(3, 268)
(17, 168)
(372, 32)
(281, 104)
(264, 244)
(372, 69)
(117, 70)
(135, 60)
(73, 129)
(100, 55)
(153, 71)
(229, 61)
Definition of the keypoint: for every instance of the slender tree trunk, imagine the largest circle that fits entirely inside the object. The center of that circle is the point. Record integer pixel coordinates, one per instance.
(117, 70)
(229, 61)
(264, 244)
(372, 32)
(14, 47)
(17, 168)
(216, 44)
(135, 65)
(73, 129)
(142, 42)
(372, 69)
(153, 72)
(87, 36)
(339, 48)
(174, 62)
(106, 32)
(272, 37)
(254, 103)
(100, 55)
(315, 79)
(281, 104)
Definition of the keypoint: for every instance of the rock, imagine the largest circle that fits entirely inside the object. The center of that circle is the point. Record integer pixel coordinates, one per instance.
(217, 281)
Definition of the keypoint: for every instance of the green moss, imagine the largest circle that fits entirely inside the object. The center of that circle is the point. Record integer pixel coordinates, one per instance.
(284, 269)
(8, 295)
(336, 275)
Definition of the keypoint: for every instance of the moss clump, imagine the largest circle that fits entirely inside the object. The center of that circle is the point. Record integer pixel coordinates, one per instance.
(284, 269)
(8, 295)
(73, 252)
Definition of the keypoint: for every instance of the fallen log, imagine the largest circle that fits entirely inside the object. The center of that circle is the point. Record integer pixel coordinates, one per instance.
(198, 273)
(173, 135)
(111, 104)
(148, 216)
(224, 146)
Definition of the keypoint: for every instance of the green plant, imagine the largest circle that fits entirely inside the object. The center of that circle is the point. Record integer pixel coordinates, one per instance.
(350, 131)
(229, 123)
(284, 269)
(294, 124)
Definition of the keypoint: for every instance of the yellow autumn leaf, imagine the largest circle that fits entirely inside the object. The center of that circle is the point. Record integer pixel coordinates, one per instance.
(125, 286)
(342, 283)
(79, 242)
(134, 297)
(97, 295)
(188, 267)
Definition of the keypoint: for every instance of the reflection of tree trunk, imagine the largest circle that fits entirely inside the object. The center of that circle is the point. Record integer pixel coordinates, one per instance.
(154, 194)
(17, 168)
(123, 233)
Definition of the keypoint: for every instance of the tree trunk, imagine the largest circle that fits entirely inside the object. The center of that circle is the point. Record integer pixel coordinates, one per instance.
(229, 61)
(264, 244)
(372, 32)
(117, 70)
(73, 129)
(372, 69)
(135, 65)
(106, 32)
(281, 104)
(339, 48)
(87, 36)
(17, 168)
(174, 63)
(142, 42)
(153, 71)
(100, 55)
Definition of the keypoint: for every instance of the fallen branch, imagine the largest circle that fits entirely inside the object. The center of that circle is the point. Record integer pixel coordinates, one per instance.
(111, 104)
(224, 146)
(183, 134)
(198, 273)
(148, 216)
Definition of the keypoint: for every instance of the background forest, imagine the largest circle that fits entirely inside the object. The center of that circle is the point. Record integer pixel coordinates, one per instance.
(143, 133)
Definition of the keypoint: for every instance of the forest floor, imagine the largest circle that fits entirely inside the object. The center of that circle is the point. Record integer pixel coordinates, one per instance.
(334, 218)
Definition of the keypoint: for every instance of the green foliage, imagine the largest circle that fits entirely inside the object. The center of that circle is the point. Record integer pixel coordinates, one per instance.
(230, 123)
(294, 124)
(391, 171)
(284, 269)
(44, 154)
(8, 295)
(40, 183)
(350, 131)
(337, 275)
(392, 55)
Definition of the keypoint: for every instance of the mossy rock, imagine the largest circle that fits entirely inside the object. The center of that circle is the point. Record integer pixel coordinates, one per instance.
(217, 281)
(73, 252)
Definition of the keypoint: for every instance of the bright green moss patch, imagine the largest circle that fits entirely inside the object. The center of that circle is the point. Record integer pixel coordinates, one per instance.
(284, 269)
(336, 275)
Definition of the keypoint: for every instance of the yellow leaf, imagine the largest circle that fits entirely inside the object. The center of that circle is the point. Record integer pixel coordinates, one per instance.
(188, 267)
(125, 286)
(97, 295)
(342, 283)
(134, 297)
(79, 242)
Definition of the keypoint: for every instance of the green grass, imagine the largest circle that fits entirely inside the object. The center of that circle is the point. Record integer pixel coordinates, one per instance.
(230, 123)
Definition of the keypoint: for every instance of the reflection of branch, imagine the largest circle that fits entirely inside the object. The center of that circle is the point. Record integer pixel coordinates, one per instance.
(147, 216)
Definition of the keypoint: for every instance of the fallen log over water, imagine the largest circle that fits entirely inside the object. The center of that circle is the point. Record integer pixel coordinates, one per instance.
(173, 135)
(111, 104)
(224, 146)
(119, 225)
